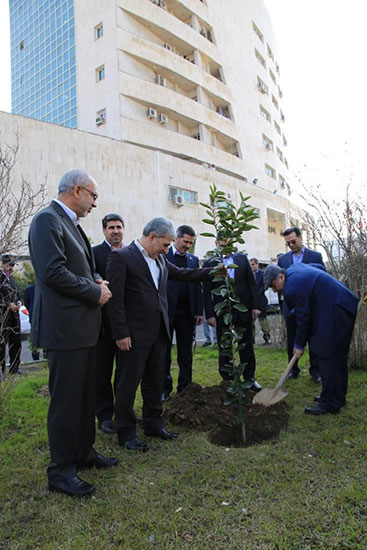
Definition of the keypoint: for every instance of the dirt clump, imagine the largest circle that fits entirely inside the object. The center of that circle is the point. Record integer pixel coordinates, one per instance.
(202, 409)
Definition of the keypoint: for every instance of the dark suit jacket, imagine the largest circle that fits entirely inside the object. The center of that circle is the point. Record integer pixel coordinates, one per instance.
(101, 253)
(195, 295)
(136, 306)
(245, 286)
(309, 257)
(286, 260)
(325, 309)
(259, 278)
(9, 293)
(66, 313)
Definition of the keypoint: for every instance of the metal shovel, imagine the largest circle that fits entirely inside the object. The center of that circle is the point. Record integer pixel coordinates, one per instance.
(268, 396)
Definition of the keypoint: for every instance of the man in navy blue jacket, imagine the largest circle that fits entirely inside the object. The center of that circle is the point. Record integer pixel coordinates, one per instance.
(298, 254)
(325, 312)
(185, 309)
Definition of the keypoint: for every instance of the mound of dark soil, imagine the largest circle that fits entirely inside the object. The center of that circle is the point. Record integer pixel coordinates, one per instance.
(202, 409)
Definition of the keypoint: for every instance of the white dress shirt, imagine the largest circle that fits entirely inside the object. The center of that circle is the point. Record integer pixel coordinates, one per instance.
(152, 263)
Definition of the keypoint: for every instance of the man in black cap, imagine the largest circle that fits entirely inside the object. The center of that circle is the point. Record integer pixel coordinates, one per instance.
(9, 316)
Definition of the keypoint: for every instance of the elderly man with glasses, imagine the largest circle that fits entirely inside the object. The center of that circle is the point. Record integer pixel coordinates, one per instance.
(66, 321)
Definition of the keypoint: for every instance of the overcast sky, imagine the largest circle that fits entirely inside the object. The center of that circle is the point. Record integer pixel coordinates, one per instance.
(322, 47)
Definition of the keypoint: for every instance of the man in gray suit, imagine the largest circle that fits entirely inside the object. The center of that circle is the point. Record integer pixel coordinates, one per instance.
(66, 321)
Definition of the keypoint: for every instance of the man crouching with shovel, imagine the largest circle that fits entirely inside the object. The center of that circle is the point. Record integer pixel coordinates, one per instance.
(325, 312)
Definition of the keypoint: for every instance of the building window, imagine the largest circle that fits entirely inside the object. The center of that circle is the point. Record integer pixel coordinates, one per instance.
(285, 142)
(258, 32)
(272, 76)
(178, 195)
(277, 127)
(268, 143)
(260, 58)
(282, 116)
(277, 67)
(270, 53)
(21, 45)
(262, 86)
(286, 162)
(280, 92)
(275, 102)
(271, 229)
(282, 182)
(265, 113)
(280, 154)
(98, 31)
(270, 171)
(100, 73)
(196, 136)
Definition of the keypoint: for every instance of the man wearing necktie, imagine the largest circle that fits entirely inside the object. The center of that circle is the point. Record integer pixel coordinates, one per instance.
(138, 313)
(185, 310)
(246, 290)
(66, 321)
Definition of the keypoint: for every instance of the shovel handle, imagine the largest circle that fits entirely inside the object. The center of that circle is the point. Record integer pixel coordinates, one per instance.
(285, 373)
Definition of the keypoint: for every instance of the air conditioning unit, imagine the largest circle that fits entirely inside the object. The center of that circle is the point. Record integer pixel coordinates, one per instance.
(163, 4)
(151, 113)
(168, 46)
(100, 119)
(160, 80)
(262, 87)
(203, 32)
(178, 200)
(162, 119)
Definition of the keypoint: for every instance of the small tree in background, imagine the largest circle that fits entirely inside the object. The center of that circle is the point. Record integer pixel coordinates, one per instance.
(339, 227)
(229, 223)
(19, 202)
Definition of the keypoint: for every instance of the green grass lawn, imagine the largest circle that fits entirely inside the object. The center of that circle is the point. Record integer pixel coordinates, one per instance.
(307, 490)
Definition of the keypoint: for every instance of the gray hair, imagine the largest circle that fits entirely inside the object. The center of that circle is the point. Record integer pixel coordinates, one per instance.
(160, 227)
(71, 179)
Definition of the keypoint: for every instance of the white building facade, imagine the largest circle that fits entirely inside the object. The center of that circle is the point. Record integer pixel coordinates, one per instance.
(172, 96)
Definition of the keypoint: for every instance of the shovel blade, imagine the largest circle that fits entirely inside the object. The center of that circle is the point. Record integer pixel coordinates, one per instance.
(268, 396)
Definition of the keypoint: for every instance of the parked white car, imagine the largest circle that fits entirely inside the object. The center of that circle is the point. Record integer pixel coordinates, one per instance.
(25, 325)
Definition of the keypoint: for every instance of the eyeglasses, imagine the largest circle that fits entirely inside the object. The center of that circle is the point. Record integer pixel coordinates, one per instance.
(92, 194)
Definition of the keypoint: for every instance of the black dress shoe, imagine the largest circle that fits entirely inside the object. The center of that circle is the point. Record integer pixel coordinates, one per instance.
(100, 461)
(74, 487)
(317, 399)
(135, 445)
(165, 396)
(292, 375)
(162, 434)
(319, 410)
(316, 379)
(206, 344)
(107, 426)
(255, 387)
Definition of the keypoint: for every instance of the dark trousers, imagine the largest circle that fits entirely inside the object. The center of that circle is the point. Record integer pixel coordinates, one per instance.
(291, 325)
(71, 424)
(184, 327)
(104, 391)
(11, 337)
(145, 365)
(246, 354)
(334, 374)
